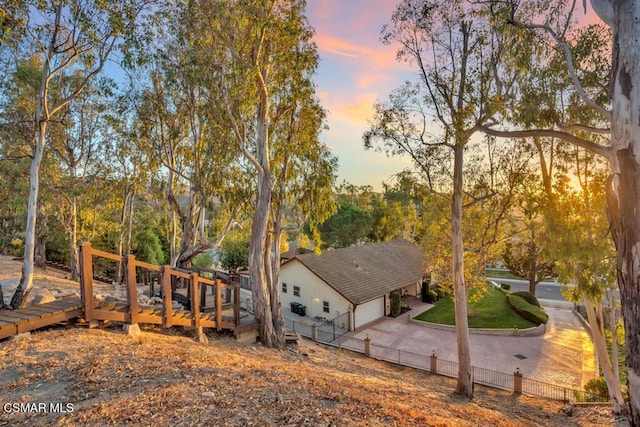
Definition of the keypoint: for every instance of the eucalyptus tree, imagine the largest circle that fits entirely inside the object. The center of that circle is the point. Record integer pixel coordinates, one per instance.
(609, 109)
(261, 58)
(77, 146)
(69, 37)
(586, 257)
(303, 171)
(456, 56)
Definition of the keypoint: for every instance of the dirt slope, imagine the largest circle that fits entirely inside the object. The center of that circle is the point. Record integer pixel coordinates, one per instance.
(166, 378)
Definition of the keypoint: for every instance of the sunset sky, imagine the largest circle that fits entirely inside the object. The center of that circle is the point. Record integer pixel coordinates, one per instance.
(355, 70)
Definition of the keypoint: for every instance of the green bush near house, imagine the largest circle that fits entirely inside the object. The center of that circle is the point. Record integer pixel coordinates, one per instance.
(528, 297)
(395, 304)
(431, 296)
(527, 311)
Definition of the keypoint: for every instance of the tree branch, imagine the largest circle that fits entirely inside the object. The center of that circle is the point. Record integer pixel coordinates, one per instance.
(570, 67)
(580, 142)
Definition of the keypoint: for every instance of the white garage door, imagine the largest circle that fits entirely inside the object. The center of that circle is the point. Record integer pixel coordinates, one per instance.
(369, 311)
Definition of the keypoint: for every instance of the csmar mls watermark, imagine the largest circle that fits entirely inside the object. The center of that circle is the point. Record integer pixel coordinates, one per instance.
(37, 408)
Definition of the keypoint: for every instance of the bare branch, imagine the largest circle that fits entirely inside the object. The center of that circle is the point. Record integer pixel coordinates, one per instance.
(580, 142)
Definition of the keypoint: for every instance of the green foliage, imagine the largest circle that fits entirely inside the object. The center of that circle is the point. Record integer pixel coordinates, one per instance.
(348, 226)
(431, 296)
(597, 386)
(440, 293)
(147, 247)
(395, 304)
(202, 260)
(527, 311)
(525, 259)
(234, 254)
(489, 309)
(528, 297)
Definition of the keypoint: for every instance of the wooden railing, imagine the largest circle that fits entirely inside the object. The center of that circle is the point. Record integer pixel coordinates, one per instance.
(196, 294)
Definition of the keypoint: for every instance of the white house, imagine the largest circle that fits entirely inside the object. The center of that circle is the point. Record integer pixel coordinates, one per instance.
(358, 280)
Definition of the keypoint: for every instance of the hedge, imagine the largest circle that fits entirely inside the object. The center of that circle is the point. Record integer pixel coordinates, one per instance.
(527, 311)
(528, 297)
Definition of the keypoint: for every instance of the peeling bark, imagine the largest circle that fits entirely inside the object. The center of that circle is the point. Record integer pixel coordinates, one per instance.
(596, 324)
(464, 385)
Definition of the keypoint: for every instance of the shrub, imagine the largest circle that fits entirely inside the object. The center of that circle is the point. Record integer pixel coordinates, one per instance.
(395, 304)
(148, 248)
(440, 292)
(597, 386)
(527, 311)
(431, 296)
(505, 286)
(528, 297)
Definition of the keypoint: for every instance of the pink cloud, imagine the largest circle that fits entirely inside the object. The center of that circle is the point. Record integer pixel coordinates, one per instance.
(339, 47)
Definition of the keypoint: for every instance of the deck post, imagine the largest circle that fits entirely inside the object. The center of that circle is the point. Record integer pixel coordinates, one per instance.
(132, 289)
(86, 280)
(236, 304)
(218, 304)
(165, 277)
(203, 295)
(195, 309)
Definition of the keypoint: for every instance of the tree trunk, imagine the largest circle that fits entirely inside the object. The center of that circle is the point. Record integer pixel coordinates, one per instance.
(28, 266)
(464, 385)
(40, 253)
(596, 323)
(623, 202)
(188, 235)
(74, 256)
(257, 268)
(258, 249)
(123, 229)
(613, 326)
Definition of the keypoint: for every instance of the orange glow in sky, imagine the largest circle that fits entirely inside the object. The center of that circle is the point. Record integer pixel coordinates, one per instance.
(355, 70)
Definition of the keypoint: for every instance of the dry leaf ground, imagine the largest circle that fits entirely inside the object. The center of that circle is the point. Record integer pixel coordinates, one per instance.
(168, 379)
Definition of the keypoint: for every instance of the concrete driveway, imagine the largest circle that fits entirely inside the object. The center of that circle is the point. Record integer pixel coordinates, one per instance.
(563, 355)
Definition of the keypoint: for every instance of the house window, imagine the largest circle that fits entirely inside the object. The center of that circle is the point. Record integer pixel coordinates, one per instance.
(296, 291)
(325, 306)
(284, 288)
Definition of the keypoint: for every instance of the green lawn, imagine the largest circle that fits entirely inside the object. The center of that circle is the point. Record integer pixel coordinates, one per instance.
(500, 274)
(490, 311)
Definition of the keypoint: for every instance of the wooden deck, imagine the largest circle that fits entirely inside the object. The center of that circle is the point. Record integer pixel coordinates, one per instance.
(13, 322)
(222, 314)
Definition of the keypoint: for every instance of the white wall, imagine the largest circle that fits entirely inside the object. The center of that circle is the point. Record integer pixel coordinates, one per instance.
(313, 291)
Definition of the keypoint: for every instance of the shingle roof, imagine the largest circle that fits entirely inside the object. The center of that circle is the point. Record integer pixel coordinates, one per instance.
(363, 273)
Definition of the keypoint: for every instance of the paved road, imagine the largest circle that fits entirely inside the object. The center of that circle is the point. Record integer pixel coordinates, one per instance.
(544, 290)
(563, 355)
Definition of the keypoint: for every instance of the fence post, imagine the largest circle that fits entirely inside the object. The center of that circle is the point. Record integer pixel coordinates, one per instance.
(517, 381)
(314, 332)
(195, 309)
(434, 363)
(219, 304)
(86, 276)
(132, 328)
(367, 346)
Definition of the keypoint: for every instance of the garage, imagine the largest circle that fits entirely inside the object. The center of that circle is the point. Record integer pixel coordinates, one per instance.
(369, 311)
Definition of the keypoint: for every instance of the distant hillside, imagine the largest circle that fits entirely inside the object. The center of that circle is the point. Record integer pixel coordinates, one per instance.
(172, 380)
